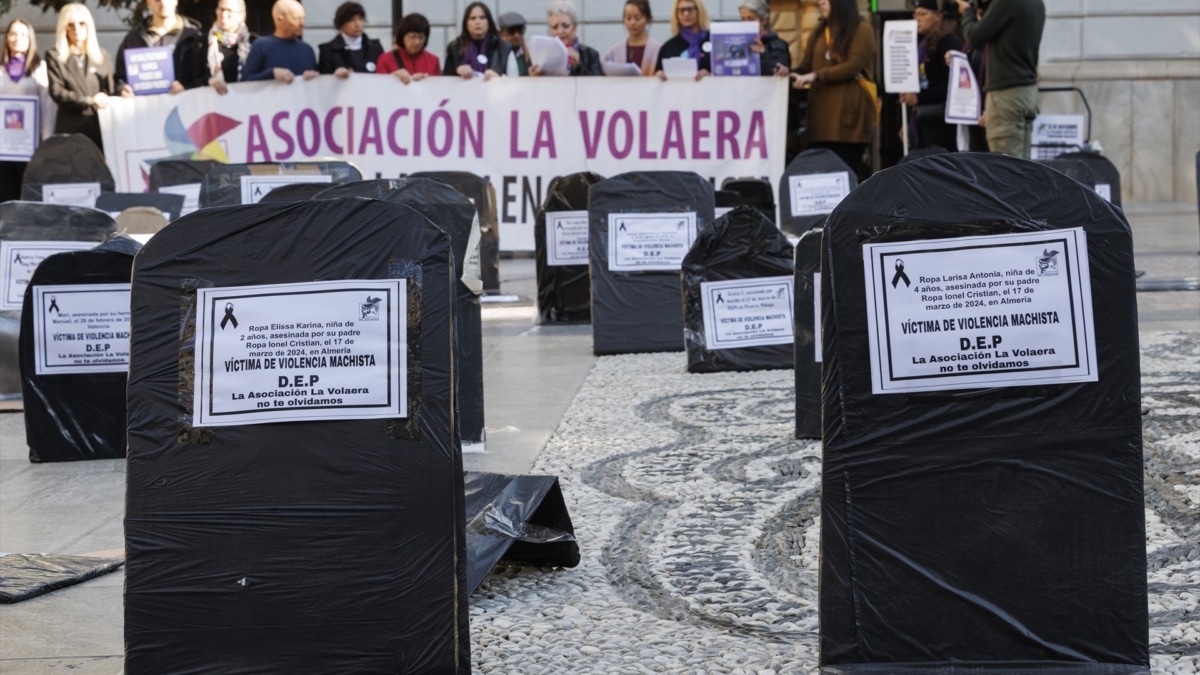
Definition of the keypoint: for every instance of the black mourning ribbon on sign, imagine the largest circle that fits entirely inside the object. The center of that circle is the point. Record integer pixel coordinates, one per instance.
(53, 305)
(229, 317)
(895, 280)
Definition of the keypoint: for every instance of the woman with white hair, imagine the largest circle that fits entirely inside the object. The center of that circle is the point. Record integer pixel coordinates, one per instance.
(80, 72)
(563, 19)
(771, 49)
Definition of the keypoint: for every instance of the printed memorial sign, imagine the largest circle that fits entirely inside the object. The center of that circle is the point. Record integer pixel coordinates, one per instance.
(81, 328)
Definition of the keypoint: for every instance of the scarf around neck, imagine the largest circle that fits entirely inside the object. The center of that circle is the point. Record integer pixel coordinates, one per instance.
(475, 48)
(694, 39)
(16, 67)
(218, 38)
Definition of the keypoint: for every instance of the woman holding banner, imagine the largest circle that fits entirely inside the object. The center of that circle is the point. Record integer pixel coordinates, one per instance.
(639, 48)
(478, 51)
(229, 42)
(351, 50)
(689, 23)
(937, 21)
(80, 74)
(25, 75)
(409, 60)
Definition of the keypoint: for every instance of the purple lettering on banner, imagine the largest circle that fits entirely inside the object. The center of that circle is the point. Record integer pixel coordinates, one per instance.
(256, 140)
(371, 135)
(417, 132)
(442, 116)
(350, 130)
(329, 118)
(673, 139)
(643, 130)
(391, 133)
(728, 134)
(514, 132)
(699, 134)
(470, 134)
(315, 127)
(757, 136)
(544, 136)
(612, 135)
(282, 133)
(591, 141)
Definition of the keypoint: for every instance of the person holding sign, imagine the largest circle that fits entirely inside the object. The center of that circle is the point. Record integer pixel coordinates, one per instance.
(351, 50)
(25, 76)
(936, 26)
(165, 27)
(563, 19)
(689, 23)
(80, 74)
(229, 43)
(479, 50)
(409, 60)
(639, 48)
(771, 49)
(836, 64)
(284, 55)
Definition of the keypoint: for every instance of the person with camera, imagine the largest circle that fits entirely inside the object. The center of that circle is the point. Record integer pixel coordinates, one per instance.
(1011, 31)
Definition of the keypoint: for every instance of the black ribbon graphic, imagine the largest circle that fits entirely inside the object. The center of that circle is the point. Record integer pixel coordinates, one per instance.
(899, 275)
(229, 317)
(53, 305)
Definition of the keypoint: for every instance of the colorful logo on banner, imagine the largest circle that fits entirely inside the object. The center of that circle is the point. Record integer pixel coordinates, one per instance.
(200, 140)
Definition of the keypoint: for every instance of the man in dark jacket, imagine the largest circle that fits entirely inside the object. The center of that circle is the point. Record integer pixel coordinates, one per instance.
(283, 55)
(1011, 30)
(351, 50)
(165, 27)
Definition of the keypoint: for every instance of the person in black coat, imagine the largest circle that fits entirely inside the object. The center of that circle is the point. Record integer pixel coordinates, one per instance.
(563, 20)
(80, 74)
(351, 50)
(937, 24)
(771, 48)
(165, 27)
(689, 23)
(479, 50)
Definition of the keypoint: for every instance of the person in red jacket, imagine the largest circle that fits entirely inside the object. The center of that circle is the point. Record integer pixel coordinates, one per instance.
(409, 60)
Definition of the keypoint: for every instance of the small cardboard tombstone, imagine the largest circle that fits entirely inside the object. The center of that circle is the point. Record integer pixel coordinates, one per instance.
(481, 193)
(981, 502)
(66, 169)
(1108, 178)
(29, 233)
(811, 186)
(641, 225)
(451, 211)
(807, 343)
(560, 236)
(113, 203)
(75, 353)
(233, 184)
(323, 531)
(737, 285)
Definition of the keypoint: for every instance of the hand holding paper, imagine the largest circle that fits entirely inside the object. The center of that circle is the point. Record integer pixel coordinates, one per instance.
(548, 54)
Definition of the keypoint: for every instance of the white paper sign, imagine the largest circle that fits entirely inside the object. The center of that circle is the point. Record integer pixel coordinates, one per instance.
(549, 54)
(71, 194)
(901, 71)
(1104, 190)
(81, 328)
(817, 316)
(1055, 134)
(19, 134)
(963, 100)
(972, 312)
(254, 188)
(680, 68)
(747, 312)
(18, 260)
(818, 193)
(566, 238)
(645, 242)
(191, 196)
(328, 350)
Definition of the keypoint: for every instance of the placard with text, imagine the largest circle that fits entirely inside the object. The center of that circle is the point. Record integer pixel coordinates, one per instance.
(747, 312)
(648, 242)
(816, 194)
(80, 329)
(19, 259)
(566, 238)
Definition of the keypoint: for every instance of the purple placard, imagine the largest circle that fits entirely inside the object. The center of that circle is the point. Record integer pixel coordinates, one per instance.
(150, 70)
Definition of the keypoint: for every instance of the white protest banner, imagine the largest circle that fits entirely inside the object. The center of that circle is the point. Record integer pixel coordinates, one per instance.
(747, 312)
(901, 72)
(1003, 310)
(81, 328)
(964, 103)
(19, 134)
(566, 238)
(646, 242)
(818, 193)
(519, 132)
(328, 350)
(19, 259)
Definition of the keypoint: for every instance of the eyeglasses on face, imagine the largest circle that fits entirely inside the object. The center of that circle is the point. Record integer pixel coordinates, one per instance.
(686, 10)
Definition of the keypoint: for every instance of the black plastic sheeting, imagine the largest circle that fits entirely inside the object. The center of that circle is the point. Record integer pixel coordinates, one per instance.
(1074, 168)
(564, 292)
(809, 162)
(517, 520)
(74, 416)
(742, 244)
(171, 205)
(754, 192)
(919, 153)
(481, 193)
(65, 158)
(454, 213)
(981, 529)
(295, 546)
(35, 221)
(172, 172)
(640, 311)
(1105, 172)
(806, 334)
(28, 575)
(296, 192)
(222, 183)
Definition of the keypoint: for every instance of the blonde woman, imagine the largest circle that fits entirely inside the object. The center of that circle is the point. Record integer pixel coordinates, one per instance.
(689, 23)
(80, 74)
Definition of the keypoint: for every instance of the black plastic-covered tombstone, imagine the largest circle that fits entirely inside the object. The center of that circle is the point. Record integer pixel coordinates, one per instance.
(29, 232)
(63, 161)
(483, 195)
(74, 361)
(233, 184)
(183, 177)
(307, 544)
(811, 186)
(1108, 178)
(982, 504)
(454, 213)
(564, 288)
(737, 284)
(295, 192)
(1075, 168)
(641, 225)
(807, 332)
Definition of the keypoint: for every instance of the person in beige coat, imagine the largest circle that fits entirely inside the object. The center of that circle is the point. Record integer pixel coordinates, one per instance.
(639, 49)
